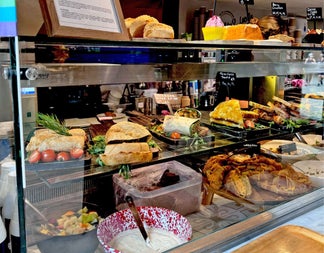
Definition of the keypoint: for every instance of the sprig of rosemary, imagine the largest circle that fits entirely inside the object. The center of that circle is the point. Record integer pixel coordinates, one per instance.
(53, 123)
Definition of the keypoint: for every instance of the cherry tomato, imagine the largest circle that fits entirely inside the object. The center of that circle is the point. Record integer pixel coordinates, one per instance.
(48, 155)
(63, 156)
(34, 157)
(175, 135)
(76, 153)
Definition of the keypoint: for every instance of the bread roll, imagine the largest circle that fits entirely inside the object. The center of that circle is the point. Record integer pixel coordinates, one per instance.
(158, 30)
(136, 28)
(128, 22)
(126, 153)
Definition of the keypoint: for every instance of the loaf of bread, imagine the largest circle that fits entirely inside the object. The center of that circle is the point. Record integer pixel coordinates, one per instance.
(158, 30)
(136, 27)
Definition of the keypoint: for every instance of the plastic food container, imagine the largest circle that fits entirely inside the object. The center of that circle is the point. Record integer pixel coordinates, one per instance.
(183, 197)
(214, 33)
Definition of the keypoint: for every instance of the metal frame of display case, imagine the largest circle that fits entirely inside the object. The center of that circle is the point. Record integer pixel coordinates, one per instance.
(64, 74)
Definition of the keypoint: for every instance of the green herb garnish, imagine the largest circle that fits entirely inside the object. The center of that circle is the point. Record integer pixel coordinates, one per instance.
(98, 146)
(124, 171)
(53, 123)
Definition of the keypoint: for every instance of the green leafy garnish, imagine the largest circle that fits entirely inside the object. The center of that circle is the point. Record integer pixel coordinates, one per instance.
(293, 124)
(53, 123)
(100, 162)
(153, 144)
(98, 146)
(124, 171)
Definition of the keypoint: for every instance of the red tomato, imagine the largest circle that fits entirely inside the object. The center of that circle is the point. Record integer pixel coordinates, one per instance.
(175, 135)
(48, 155)
(76, 153)
(249, 124)
(34, 157)
(63, 156)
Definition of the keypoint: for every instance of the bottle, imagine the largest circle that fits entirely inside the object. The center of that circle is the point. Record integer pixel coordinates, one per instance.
(196, 25)
(10, 204)
(6, 168)
(14, 232)
(185, 100)
(202, 21)
(3, 236)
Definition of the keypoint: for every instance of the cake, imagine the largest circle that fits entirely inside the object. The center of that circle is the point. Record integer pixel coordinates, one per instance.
(243, 31)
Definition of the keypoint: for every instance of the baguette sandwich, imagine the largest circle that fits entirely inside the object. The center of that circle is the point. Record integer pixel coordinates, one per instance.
(126, 143)
(44, 139)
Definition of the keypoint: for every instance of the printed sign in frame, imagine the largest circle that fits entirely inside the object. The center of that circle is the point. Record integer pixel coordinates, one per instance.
(95, 19)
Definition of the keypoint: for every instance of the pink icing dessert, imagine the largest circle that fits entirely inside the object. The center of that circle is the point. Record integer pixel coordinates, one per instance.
(214, 21)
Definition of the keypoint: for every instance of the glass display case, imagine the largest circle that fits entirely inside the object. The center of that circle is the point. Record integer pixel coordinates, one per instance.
(49, 187)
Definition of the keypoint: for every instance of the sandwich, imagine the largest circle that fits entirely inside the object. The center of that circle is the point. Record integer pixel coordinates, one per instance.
(126, 131)
(126, 143)
(44, 139)
(227, 113)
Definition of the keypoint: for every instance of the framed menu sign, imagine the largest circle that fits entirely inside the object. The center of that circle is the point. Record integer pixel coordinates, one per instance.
(95, 19)
(314, 13)
(279, 9)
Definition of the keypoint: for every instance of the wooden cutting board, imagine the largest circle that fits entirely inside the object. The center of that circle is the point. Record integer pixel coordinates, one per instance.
(288, 239)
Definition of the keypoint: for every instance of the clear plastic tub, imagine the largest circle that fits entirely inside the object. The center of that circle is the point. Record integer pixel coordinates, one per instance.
(183, 197)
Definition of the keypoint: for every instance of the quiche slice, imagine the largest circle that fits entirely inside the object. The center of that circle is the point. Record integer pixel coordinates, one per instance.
(228, 113)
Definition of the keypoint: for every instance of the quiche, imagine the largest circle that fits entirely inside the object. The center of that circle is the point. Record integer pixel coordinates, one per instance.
(228, 113)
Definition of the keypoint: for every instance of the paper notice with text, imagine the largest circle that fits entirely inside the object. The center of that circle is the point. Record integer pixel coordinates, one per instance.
(97, 15)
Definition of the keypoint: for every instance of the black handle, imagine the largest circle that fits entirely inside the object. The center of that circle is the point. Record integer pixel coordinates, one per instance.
(136, 215)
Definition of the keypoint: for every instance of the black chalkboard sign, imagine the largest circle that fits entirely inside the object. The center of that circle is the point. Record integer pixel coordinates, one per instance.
(249, 2)
(279, 9)
(226, 78)
(226, 81)
(314, 13)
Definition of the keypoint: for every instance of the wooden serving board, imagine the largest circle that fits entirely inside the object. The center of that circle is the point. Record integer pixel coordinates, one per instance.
(288, 238)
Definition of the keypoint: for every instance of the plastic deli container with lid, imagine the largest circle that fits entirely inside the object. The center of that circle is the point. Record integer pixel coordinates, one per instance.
(183, 197)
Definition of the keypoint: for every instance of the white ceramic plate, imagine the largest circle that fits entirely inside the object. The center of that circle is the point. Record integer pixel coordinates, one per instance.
(320, 156)
(314, 140)
(304, 151)
(312, 168)
(102, 116)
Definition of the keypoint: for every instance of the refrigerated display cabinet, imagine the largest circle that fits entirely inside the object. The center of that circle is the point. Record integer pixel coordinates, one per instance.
(33, 64)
